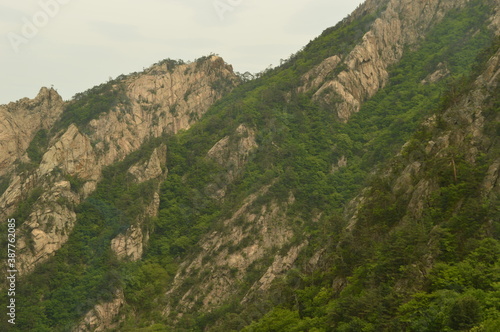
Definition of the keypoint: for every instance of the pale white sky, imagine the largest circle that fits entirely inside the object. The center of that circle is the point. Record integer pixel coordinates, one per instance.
(76, 44)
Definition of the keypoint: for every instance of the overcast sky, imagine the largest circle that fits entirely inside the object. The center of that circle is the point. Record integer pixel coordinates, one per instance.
(76, 44)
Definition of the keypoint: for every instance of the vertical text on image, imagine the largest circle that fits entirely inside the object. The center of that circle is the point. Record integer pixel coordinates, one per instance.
(11, 270)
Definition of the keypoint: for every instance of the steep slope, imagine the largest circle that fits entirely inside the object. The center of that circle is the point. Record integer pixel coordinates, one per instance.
(98, 128)
(22, 120)
(434, 210)
(63, 149)
(362, 72)
(308, 165)
(419, 248)
(352, 188)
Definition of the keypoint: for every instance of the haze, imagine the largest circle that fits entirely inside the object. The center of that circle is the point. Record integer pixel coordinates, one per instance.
(73, 45)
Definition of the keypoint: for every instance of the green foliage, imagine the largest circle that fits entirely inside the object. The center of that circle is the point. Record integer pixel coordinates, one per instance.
(85, 271)
(390, 274)
(222, 85)
(462, 294)
(278, 320)
(75, 182)
(186, 210)
(465, 313)
(4, 184)
(24, 208)
(145, 284)
(38, 145)
(382, 262)
(479, 270)
(171, 64)
(35, 151)
(88, 105)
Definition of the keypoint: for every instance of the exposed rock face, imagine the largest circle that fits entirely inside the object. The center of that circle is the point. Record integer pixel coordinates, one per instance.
(218, 267)
(163, 99)
(103, 316)
(48, 226)
(280, 265)
(316, 76)
(495, 19)
(402, 24)
(441, 72)
(341, 163)
(152, 168)
(226, 256)
(234, 153)
(259, 236)
(130, 245)
(231, 153)
(465, 121)
(491, 183)
(20, 121)
(72, 153)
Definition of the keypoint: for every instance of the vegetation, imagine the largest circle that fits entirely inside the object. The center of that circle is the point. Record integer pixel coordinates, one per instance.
(38, 145)
(391, 285)
(300, 140)
(393, 272)
(88, 105)
(4, 184)
(85, 271)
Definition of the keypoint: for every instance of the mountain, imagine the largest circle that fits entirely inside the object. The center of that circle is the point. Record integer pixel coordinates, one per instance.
(63, 148)
(353, 188)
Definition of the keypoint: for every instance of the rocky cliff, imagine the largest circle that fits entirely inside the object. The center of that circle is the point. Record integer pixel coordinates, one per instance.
(103, 316)
(461, 143)
(162, 100)
(227, 256)
(461, 127)
(358, 75)
(257, 231)
(341, 191)
(130, 244)
(21, 120)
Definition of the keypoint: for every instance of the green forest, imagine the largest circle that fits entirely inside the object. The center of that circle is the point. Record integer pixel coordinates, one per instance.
(375, 278)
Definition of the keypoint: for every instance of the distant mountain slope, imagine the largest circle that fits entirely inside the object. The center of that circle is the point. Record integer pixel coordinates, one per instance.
(353, 188)
(97, 128)
(55, 151)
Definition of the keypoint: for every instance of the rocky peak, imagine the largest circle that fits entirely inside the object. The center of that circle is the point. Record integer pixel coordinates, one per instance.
(465, 122)
(163, 99)
(46, 97)
(103, 316)
(168, 97)
(21, 120)
(402, 24)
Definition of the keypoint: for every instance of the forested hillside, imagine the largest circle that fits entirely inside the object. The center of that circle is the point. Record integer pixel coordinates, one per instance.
(353, 188)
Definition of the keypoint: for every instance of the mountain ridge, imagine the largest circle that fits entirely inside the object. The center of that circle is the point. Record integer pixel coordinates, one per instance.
(282, 203)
